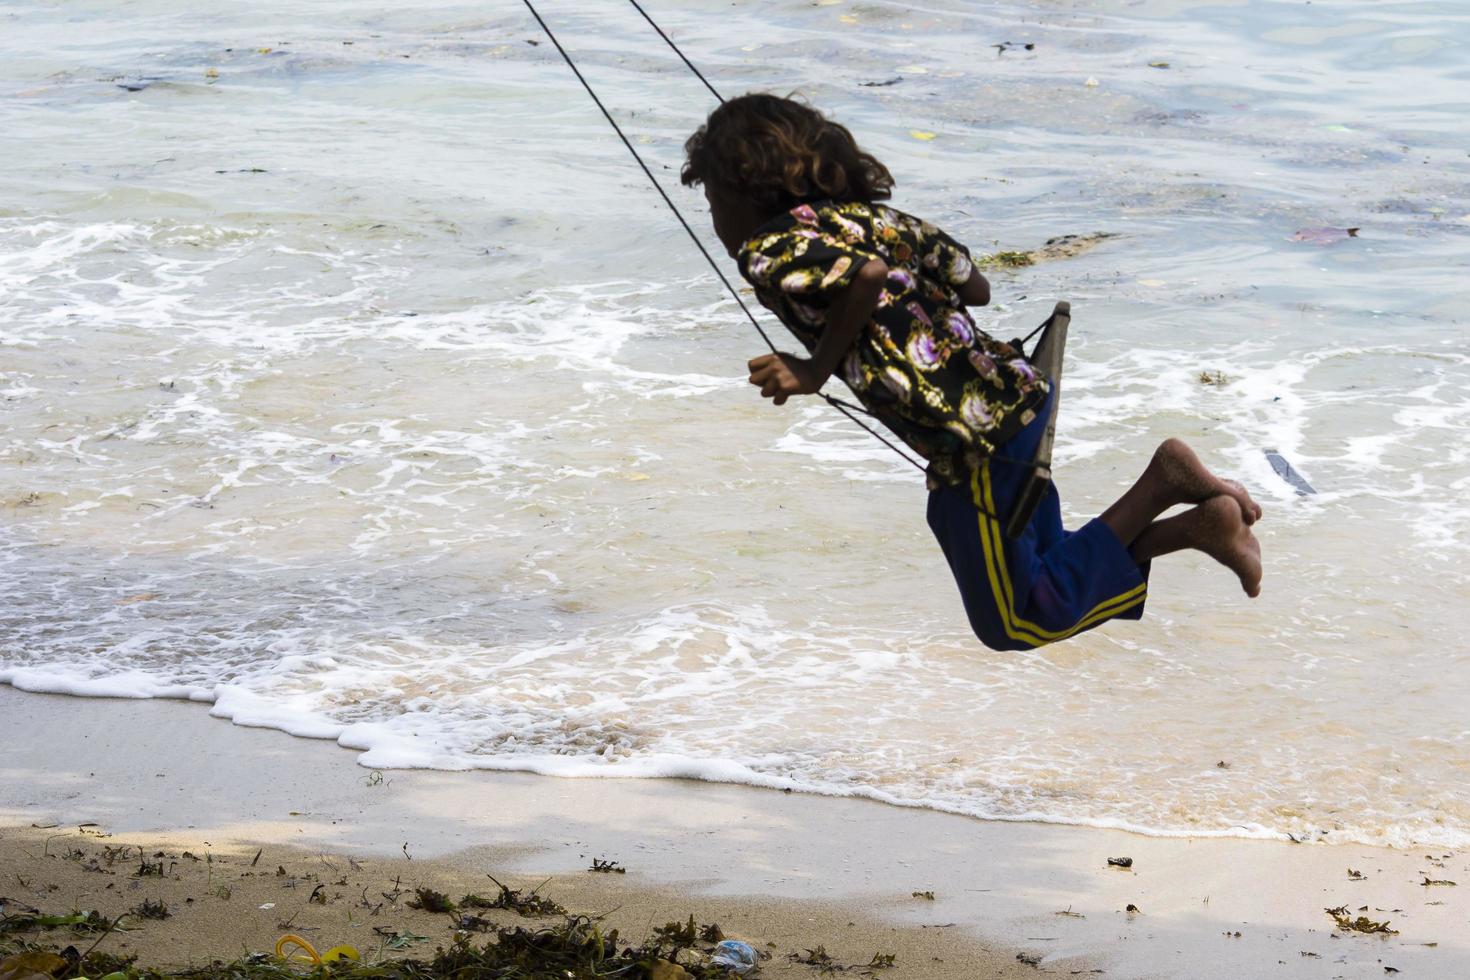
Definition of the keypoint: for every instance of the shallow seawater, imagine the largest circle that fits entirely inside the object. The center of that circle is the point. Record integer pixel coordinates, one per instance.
(352, 378)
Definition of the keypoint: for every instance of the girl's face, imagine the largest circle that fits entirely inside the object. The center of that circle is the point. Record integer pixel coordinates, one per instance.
(733, 217)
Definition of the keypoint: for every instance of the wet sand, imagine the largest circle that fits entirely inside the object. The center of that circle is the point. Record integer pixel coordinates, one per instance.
(785, 869)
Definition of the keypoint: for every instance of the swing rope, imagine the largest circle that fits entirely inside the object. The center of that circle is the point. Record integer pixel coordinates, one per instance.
(845, 408)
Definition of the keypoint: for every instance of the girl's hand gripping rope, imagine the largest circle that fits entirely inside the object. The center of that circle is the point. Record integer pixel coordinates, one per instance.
(779, 376)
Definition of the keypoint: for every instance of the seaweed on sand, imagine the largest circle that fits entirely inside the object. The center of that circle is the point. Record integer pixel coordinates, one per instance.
(577, 948)
(77, 922)
(151, 909)
(821, 961)
(529, 904)
(1362, 923)
(430, 901)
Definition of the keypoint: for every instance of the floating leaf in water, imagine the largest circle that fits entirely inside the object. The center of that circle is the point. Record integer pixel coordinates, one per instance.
(922, 134)
(1092, 83)
(1158, 64)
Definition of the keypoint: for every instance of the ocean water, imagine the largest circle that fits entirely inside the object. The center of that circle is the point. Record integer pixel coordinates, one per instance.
(353, 380)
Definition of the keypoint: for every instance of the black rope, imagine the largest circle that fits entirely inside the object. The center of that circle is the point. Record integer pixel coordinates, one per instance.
(843, 407)
(846, 408)
(652, 179)
(697, 73)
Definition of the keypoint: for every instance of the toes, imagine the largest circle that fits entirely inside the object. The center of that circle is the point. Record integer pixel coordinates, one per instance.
(1228, 539)
(1249, 509)
(1250, 569)
(1252, 584)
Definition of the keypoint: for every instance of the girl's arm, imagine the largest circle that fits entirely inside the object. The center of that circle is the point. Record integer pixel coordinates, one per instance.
(976, 290)
(779, 376)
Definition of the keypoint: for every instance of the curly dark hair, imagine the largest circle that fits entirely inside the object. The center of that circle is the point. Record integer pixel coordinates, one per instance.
(778, 153)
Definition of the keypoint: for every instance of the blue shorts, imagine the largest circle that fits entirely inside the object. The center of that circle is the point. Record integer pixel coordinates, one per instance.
(1046, 585)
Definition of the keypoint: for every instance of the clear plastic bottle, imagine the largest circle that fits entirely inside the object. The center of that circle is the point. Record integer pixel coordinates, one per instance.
(736, 956)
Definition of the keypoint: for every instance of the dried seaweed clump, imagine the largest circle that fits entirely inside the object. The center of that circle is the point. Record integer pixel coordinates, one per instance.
(529, 904)
(1347, 923)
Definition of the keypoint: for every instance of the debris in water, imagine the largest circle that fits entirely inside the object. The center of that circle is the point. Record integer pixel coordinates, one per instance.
(883, 84)
(1122, 862)
(1006, 260)
(1324, 236)
(1288, 473)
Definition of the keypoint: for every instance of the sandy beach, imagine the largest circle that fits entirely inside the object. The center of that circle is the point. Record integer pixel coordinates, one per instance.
(789, 872)
(384, 504)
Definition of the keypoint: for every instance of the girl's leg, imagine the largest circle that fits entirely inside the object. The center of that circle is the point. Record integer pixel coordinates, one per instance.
(1215, 527)
(1174, 476)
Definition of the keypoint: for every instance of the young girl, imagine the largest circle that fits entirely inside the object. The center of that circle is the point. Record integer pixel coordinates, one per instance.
(882, 297)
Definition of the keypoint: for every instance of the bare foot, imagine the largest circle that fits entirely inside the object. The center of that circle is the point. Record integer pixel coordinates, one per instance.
(1217, 528)
(1191, 482)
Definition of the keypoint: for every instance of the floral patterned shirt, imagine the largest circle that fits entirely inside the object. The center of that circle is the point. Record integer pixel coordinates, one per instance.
(948, 390)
